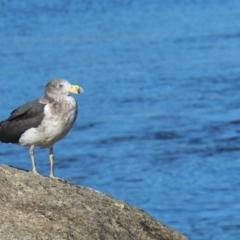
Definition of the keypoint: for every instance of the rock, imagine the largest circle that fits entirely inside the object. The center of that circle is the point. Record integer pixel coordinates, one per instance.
(37, 207)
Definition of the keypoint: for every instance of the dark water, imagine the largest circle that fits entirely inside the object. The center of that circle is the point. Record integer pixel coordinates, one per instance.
(159, 123)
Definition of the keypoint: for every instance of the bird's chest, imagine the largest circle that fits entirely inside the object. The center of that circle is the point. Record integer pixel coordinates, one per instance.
(59, 118)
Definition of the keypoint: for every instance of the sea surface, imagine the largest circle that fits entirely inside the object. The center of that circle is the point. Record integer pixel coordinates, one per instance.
(159, 122)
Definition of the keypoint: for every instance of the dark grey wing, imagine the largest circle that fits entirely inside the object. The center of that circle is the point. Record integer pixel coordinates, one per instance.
(26, 111)
(27, 116)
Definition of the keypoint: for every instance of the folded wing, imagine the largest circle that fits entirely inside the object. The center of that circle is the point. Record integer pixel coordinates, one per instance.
(27, 116)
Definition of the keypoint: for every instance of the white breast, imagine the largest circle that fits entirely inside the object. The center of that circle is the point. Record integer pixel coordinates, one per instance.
(58, 120)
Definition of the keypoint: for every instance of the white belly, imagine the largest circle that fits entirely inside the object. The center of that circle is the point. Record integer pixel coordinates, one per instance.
(55, 125)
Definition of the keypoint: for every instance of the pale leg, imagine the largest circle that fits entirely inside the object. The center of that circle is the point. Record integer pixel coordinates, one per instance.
(51, 158)
(31, 151)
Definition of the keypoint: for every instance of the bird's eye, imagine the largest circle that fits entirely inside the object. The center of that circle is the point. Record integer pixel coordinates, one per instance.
(59, 85)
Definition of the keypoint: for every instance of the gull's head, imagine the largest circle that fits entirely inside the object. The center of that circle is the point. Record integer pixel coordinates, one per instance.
(61, 87)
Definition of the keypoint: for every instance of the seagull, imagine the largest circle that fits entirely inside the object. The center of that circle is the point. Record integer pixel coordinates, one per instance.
(44, 121)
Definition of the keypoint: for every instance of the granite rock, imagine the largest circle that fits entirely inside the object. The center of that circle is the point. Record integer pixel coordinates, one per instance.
(37, 207)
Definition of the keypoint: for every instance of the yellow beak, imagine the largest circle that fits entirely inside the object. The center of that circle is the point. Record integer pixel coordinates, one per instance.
(75, 89)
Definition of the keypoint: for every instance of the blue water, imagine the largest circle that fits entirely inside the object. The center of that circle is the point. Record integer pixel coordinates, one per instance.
(159, 122)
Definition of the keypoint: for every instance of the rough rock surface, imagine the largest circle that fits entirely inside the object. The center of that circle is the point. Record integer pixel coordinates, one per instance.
(37, 207)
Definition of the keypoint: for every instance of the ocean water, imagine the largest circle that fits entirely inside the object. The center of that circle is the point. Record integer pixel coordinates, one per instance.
(159, 122)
